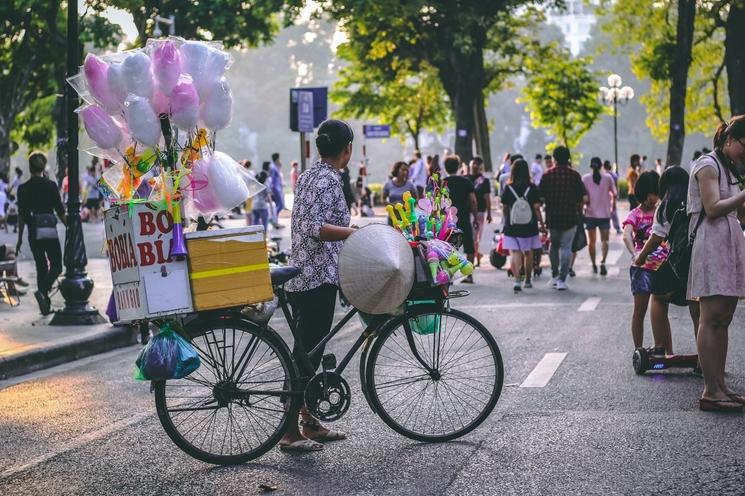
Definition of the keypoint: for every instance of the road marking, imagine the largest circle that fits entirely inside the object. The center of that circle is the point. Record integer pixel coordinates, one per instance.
(589, 304)
(544, 371)
(65, 367)
(614, 271)
(74, 444)
(613, 256)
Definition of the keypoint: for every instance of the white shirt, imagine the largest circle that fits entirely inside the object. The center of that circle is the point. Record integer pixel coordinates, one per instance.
(536, 170)
(418, 173)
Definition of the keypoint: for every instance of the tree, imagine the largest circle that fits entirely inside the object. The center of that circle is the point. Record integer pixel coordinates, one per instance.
(453, 37)
(410, 103)
(561, 96)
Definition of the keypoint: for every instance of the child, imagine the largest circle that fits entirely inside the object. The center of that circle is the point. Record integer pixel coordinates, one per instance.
(637, 228)
(667, 287)
(260, 207)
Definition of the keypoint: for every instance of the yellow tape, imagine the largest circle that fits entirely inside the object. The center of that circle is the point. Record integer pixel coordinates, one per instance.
(224, 272)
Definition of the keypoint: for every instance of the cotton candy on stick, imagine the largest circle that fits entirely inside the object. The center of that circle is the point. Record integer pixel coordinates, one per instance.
(137, 74)
(224, 177)
(166, 65)
(143, 123)
(217, 106)
(184, 104)
(102, 129)
(115, 81)
(96, 75)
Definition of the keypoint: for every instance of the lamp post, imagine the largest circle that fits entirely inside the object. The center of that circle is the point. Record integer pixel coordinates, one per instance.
(613, 95)
(76, 287)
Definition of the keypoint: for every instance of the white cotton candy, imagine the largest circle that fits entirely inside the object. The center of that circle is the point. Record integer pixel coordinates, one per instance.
(142, 120)
(137, 74)
(194, 55)
(117, 87)
(217, 106)
(224, 176)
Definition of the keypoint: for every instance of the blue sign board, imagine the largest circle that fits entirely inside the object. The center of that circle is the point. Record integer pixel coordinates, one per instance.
(376, 131)
(305, 111)
(319, 105)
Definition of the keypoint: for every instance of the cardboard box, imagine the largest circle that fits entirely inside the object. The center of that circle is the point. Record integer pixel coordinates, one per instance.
(147, 282)
(228, 267)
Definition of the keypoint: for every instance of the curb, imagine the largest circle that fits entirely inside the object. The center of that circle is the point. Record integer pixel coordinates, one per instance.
(50, 356)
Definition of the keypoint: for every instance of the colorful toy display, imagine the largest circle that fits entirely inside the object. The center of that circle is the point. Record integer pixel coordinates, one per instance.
(154, 114)
(432, 217)
(445, 261)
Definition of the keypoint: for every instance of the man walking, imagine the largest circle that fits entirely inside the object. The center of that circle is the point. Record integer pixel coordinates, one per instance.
(278, 194)
(536, 169)
(38, 200)
(418, 173)
(463, 197)
(563, 192)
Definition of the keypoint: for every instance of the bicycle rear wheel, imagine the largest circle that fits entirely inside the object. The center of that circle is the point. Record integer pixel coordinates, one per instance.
(232, 408)
(450, 396)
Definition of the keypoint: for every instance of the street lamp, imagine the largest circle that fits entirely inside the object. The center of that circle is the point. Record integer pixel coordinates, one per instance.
(76, 287)
(615, 94)
(170, 21)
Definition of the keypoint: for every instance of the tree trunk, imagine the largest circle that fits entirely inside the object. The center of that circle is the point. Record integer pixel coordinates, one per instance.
(481, 131)
(679, 80)
(734, 56)
(464, 120)
(4, 150)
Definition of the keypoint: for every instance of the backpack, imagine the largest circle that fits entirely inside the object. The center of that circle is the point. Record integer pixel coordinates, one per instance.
(521, 212)
(680, 240)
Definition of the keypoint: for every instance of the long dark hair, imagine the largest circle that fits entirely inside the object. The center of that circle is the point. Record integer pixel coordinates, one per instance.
(596, 164)
(673, 191)
(520, 173)
(734, 129)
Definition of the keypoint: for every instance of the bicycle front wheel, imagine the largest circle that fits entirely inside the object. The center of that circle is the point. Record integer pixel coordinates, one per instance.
(434, 375)
(234, 407)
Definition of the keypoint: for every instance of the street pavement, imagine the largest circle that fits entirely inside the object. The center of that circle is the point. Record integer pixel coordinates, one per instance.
(594, 427)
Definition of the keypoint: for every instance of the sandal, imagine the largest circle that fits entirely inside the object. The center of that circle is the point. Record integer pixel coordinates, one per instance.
(331, 435)
(721, 406)
(737, 398)
(302, 446)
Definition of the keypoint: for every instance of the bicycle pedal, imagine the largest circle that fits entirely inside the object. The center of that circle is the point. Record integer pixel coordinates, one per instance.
(328, 361)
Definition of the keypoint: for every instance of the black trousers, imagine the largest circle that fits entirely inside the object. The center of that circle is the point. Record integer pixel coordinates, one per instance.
(48, 258)
(314, 315)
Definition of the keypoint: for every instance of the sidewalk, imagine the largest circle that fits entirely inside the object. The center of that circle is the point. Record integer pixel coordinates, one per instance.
(29, 343)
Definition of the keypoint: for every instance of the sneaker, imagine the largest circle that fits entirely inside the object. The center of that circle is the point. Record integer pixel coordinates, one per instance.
(594, 269)
(603, 270)
(528, 285)
(572, 273)
(45, 305)
(517, 287)
(561, 285)
(552, 283)
(658, 352)
(21, 282)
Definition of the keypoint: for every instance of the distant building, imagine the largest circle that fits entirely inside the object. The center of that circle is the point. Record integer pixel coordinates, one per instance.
(575, 21)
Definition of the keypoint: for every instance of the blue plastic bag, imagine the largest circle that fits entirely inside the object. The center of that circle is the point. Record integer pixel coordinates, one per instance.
(167, 356)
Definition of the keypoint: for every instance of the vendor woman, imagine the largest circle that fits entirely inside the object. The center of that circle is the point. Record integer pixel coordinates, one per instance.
(320, 223)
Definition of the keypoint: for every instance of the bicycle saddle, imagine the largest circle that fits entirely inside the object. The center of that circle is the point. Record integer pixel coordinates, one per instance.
(281, 275)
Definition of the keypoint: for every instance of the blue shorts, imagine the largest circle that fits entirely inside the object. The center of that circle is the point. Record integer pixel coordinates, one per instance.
(642, 280)
(601, 224)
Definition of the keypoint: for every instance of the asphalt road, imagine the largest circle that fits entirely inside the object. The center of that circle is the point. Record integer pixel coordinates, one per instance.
(594, 428)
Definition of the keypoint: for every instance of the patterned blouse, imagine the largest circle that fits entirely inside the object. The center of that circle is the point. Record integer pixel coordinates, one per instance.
(319, 200)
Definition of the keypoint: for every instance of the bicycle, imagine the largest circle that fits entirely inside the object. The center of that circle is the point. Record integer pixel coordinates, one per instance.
(432, 374)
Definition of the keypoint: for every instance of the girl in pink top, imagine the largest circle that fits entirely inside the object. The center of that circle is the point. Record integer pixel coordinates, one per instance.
(601, 195)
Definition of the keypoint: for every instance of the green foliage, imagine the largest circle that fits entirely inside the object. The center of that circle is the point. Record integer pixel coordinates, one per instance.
(646, 30)
(561, 96)
(235, 22)
(35, 125)
(410, 102)
(623, 188)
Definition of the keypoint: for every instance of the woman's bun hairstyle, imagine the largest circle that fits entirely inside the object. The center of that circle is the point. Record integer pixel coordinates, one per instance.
(333, 136)
(735, 129)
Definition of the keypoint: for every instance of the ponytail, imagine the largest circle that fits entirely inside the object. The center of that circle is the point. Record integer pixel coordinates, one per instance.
(596, 164)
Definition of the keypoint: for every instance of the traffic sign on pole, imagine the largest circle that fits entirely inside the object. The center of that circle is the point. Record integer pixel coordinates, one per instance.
(376, 131)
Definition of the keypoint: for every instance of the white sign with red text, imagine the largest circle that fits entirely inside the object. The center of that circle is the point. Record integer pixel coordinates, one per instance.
(147, 281)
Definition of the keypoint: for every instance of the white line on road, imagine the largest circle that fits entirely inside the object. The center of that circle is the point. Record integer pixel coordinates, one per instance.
(613, 256)
(589, 304)
(544, 371)
(74, 444)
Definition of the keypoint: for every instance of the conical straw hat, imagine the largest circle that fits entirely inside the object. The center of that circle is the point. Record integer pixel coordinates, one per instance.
(376, 269)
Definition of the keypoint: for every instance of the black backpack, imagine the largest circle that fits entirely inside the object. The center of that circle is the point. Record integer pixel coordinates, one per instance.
(681, 241)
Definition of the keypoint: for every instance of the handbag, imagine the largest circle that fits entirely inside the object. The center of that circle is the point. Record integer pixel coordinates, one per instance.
(580, 237)
(45, 226)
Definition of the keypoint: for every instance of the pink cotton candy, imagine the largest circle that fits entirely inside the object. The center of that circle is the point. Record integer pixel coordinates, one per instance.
(101, 128)
(161, 102)
(184, 104)
(166, 65)
(96, 75)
